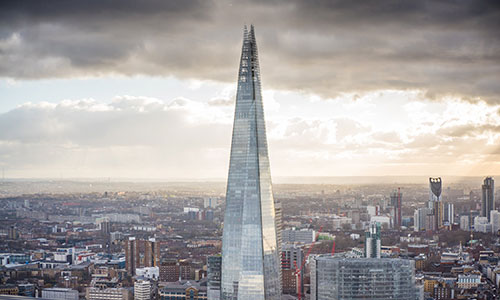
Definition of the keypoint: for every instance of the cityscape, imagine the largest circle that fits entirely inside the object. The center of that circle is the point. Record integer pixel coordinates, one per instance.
(127, 199)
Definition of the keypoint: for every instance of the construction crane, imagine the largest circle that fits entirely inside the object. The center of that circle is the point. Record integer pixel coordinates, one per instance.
(298, 271)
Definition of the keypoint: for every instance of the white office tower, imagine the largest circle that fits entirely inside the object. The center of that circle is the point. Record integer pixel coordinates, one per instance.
(142, 290)
(336, 278)
(464, 223)
(448, 213)
(420, 218)
(495, 221)
(481, 224)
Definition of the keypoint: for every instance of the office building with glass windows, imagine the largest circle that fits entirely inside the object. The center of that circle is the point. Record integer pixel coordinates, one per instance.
(487, 197)
(338, 278)
(251, 239)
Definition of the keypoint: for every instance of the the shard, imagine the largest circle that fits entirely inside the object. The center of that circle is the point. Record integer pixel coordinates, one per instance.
(251, 239)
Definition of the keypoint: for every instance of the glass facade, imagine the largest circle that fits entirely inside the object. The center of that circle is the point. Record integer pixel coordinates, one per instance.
(214, 277)
(334, 278)
(435, 189)
(250, 253)
(488, 197)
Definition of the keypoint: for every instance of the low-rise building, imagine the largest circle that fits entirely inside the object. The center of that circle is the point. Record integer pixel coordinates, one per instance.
(97, 293)
(183, 290)
(468, 281)
(142, 290)
(60, 293)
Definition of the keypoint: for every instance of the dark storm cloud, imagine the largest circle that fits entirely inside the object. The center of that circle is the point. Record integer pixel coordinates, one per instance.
(324, 47)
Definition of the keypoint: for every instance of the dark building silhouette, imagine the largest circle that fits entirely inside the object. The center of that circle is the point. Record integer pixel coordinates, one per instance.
(488, 197)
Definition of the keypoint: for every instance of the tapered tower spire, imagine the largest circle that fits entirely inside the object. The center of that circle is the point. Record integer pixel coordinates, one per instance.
(250, 244)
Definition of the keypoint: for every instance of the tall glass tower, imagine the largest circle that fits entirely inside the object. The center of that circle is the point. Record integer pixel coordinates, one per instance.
(488, 197)
(435, 203)
(250, 253)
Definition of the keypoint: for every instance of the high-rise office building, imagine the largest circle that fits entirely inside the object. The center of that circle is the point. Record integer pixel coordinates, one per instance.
(214, 276)
(448, 213)
(488, 197)
(372, 241)
(481, 224)
(435, 189)
(105, 228)
(423, 219)
(210, 202)
(250, 250)
(495, 221)
(335, 278)
(435, 201)
(465, 223)
(12, 234)
(396, 203)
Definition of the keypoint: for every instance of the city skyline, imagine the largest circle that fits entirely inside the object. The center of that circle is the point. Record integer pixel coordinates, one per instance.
(147, 91)
(136, 159)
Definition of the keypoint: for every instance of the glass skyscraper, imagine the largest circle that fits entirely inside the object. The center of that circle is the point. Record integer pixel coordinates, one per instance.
(488, 197)
(250, 252)
(435, 201)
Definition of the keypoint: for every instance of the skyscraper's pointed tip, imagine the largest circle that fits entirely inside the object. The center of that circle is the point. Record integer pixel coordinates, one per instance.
(245, 32)
(251, 34)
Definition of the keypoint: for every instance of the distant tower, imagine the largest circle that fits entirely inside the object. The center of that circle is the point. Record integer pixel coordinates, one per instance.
(435, 189)
(488, 197)
(152, 253)
(12, 233)
(396, 202)
(448, 213)
(131, 256)
(251, 237)
(435, 203)
(372, 241)
(105, 227)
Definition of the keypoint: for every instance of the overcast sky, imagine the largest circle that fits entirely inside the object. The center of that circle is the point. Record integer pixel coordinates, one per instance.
(145, 89)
